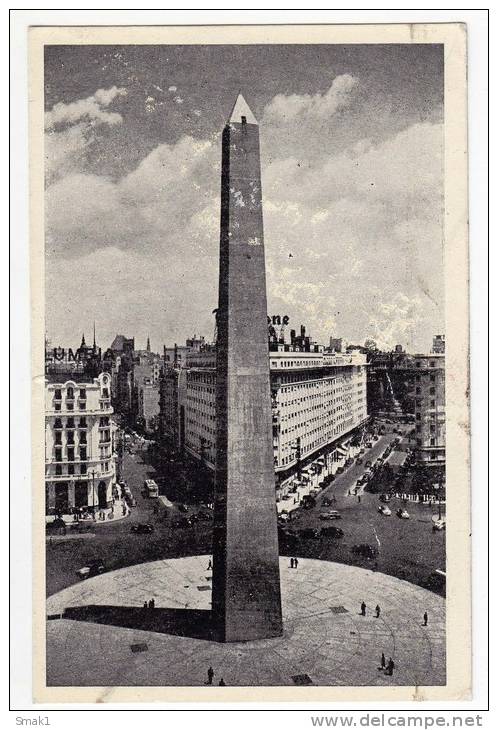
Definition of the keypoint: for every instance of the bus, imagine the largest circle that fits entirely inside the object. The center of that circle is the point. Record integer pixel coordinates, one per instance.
(151, 488)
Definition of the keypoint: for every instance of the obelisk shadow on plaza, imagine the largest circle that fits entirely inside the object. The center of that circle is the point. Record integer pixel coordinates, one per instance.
(246, 579)
(188, 622)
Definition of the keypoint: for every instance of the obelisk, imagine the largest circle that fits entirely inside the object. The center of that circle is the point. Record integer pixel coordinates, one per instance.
(246, 602)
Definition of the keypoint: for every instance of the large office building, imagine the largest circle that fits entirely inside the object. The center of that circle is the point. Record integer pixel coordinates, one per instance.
(318, 399)
(80, 449)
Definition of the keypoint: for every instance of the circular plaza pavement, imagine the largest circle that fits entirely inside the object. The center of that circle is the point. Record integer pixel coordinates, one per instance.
(106, 638)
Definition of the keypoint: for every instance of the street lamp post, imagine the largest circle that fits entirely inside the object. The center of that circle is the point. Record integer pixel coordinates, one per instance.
(93, 489)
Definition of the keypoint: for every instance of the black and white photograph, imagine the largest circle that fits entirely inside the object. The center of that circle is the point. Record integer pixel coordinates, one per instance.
(247, 482)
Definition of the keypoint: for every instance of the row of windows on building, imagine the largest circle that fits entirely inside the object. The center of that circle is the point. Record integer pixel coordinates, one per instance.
(104, 422)
(82, 469)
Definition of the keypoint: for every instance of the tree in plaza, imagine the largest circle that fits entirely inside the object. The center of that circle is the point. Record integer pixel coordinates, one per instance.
(370, 345)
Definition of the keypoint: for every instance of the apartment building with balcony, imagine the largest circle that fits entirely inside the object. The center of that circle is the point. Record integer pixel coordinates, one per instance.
(80, 448)
(430, 409)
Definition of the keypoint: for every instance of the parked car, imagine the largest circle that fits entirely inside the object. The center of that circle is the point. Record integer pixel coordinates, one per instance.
(309, 533)
(96, 567)
(365, 550)
(402, 514)
(183, 507)
(131, 501)
(384, 510)
(308, 501)
(368, 463)
(439, 525)
(369, 444)
(204, 515)
(385, 497)
(331, 515)
(142, 528)
(331, 531)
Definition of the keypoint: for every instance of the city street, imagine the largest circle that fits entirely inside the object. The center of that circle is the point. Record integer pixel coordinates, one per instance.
(116, 545)
(408, 549)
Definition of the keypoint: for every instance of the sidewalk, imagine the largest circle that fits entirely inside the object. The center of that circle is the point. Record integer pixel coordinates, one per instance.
(119, 511)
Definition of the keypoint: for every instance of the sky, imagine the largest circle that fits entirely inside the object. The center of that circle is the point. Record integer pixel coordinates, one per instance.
(351, 153)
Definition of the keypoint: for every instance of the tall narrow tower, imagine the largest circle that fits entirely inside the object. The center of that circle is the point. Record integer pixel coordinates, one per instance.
(246, 580)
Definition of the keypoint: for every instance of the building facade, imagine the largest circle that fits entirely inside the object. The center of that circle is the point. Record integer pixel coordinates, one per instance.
(318, 399)
(80, 448)
(430, 408)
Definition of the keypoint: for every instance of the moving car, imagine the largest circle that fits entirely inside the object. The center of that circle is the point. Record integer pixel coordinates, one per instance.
(142, 528)
(332, 531)
(333, 514)
(94, 568)
(384, 510)
(365, 550)
(183, 522)
(328, 501)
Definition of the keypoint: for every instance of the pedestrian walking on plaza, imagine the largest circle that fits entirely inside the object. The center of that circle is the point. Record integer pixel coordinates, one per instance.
(221, 683)
(426, 618)
(146, 604)
(349, 492)
(377, 611)
(359, 498)
(292, 562)
(210, 675)
(363, 608)
(295, 562)
(382, 662)
(210, 564)
(390, 667)
(152, 603)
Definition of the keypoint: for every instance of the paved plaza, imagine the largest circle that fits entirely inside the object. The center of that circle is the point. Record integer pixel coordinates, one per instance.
(111, 640)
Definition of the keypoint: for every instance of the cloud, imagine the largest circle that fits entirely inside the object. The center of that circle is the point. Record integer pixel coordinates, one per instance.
(353, 234)
(92, 108)
(285, 109)
(150, 209)
(395, 321)
(70, 131)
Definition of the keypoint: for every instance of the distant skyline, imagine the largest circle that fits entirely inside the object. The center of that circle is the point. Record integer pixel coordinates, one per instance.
(352, 154)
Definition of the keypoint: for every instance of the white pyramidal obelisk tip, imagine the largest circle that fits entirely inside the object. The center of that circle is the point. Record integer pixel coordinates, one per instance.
(241, 112)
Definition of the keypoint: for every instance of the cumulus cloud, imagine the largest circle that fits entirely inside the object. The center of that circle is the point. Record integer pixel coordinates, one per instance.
(395, 321)
(70, 131)
(92, 108)
(284, 109)
(353, 235)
